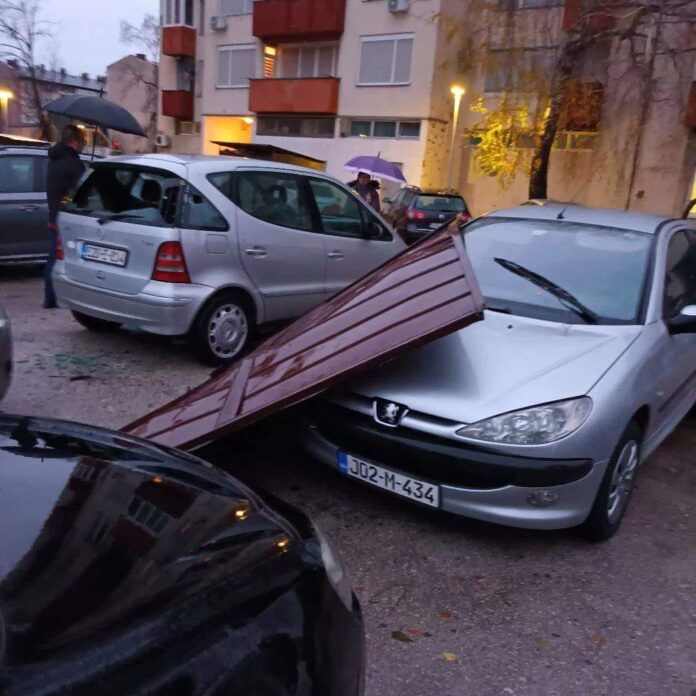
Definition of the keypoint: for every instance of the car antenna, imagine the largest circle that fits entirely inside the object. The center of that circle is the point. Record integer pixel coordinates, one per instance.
(561, 215)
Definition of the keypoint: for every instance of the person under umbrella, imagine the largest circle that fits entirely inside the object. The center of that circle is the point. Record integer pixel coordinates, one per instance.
(367, 189)
(64, 170)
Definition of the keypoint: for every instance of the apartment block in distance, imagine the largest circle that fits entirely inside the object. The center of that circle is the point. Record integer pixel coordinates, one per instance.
(312, 82)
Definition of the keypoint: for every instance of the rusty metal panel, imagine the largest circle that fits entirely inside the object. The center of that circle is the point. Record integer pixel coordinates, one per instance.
(426, 292)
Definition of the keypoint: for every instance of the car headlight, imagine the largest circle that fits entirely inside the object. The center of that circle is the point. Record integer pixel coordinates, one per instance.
(334, 569)
(532, 426)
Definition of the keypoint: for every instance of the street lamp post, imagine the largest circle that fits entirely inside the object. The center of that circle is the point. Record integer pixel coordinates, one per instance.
(5, 96)
(458, 93)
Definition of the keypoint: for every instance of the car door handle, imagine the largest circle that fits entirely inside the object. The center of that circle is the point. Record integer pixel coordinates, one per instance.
(30, 207)
(257, 252)
(336, 255)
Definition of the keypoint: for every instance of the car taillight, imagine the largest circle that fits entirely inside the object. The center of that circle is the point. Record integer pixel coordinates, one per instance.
(464, 218)
(59, 246)
(170, 265)
(415, 215)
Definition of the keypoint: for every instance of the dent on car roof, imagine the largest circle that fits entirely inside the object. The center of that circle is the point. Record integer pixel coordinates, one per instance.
(425, 292)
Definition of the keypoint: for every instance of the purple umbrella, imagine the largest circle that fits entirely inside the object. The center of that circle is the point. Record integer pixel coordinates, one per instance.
(377, 167)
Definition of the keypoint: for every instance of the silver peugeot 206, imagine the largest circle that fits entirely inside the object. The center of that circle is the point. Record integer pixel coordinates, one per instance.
(540, 415)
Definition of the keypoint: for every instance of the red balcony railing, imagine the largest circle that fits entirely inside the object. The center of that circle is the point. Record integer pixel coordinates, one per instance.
(690, 115)
(298, 20)
(315, 95)
(588, 13)
(179, 41)
(177, 103)
(582, 107)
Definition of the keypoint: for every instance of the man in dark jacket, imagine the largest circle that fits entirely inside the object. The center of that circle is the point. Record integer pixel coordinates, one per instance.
(64, 170)
(367, 189)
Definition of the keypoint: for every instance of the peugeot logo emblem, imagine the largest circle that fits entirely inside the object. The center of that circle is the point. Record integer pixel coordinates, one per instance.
(388, 413)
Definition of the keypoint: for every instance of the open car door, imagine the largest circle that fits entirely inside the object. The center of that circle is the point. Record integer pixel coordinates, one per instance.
(427, 291)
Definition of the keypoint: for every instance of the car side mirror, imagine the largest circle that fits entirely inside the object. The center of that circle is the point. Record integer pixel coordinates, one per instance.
(684, 322)
(373, 230)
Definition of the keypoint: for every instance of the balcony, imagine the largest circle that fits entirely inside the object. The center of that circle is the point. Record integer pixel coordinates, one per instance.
(177, 103)
(277, 21)
(597, 20)
(311, 95)
(690, 115)
(582, 107)
(179, 41)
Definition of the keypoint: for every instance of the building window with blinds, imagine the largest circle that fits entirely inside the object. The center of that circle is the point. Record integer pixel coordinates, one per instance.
(386, 60)
(236, 65)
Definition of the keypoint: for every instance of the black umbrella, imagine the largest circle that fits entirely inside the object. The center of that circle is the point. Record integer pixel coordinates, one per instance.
(97, 112)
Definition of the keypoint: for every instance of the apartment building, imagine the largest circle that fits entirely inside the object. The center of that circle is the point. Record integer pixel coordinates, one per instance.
(316, 82)
(310, 81)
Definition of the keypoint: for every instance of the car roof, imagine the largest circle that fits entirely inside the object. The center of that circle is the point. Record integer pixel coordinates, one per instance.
(207, 163)
(23, 149)
(606, 217)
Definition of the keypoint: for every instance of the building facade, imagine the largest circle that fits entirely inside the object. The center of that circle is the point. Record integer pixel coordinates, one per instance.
(316, 82)
(132, 83)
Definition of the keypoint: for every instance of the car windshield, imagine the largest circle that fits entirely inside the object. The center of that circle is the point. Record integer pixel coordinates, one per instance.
(440, 204)
(547, 269)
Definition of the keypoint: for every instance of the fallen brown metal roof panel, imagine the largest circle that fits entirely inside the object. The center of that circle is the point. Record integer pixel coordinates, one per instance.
(426, 292)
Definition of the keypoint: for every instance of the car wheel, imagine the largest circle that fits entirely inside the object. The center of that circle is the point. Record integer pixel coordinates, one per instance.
(95, 324)
(614, 493)
(222, 329)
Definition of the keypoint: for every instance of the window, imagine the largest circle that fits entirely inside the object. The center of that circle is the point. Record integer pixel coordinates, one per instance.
(308, 61)
(519, 70)
(280, 199)
(147, 515)
(291, 126)
(84, 472)
(440, 204)
(236, 7)
(386, 60)
(178, 12)
(680, 276)
(385, 129)
(21, 174)
(200, 214)
(143, 196)
(236, 65)
(574, 140)
(187, 128)
(339, 209)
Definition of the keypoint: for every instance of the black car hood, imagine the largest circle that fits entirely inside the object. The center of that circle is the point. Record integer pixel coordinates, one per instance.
(101, 533)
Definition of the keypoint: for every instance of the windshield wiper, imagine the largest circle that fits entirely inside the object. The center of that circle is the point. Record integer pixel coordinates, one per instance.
(568, 300)
(117, 216)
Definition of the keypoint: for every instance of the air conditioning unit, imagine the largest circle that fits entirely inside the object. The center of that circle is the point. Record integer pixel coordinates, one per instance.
(218, 23)
(163, 140)
(399, 5)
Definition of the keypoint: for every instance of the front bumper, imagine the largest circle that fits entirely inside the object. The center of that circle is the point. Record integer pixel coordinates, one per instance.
(168, 309)
(473, 482)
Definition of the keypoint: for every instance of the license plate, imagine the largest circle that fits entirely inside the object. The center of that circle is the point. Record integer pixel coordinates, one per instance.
(436, 225)
(102, 254)
(408, 487)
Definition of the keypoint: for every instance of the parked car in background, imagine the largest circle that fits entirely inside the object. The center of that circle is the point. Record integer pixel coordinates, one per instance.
(540, 415)
(5, 352)
(130, 568)
(415, 211)
(24, 234)
(210, 247)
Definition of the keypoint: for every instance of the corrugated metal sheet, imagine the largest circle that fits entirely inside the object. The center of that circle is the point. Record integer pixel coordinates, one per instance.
(424, 293)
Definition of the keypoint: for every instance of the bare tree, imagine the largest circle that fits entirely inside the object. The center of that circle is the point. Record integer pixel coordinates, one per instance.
(639, 23)
(147, 37)
(21, 28)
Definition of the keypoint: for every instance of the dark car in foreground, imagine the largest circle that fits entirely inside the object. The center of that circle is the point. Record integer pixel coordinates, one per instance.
(416, 211)
(130, 568)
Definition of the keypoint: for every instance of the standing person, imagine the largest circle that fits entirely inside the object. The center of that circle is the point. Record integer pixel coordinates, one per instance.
(366, 188)
(64, 170)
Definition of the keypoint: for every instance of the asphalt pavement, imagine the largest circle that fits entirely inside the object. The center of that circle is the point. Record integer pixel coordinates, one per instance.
(452, 607)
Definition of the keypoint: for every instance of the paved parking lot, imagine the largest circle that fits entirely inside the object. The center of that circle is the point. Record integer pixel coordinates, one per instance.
(452, 607)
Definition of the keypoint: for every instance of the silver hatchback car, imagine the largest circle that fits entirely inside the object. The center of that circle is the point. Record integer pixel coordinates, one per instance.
(539, 415)
(210, 247)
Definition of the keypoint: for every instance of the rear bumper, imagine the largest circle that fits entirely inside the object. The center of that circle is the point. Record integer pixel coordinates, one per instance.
(502, 503)
(168, 309)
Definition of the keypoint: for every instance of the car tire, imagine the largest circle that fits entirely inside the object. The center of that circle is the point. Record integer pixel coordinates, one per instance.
(222, 329)
(95, 324)
(614, 492)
